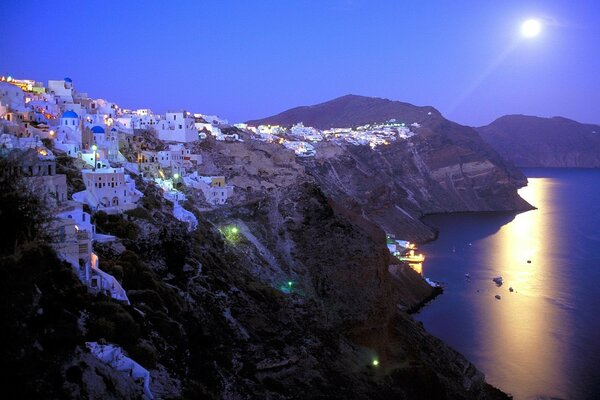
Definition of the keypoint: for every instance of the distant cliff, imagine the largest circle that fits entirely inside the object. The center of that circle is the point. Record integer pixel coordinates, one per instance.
(544, 142)
(445, 167)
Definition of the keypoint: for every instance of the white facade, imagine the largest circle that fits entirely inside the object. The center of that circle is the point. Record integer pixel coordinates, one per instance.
(177, 127)
(62, 90)
(11, 96)
(214, 189)
(306, 132)
(108, 189)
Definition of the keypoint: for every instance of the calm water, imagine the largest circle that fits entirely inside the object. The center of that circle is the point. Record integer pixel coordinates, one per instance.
(543, 339)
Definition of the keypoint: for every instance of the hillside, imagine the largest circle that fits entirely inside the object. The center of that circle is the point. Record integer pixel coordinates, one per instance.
(212, 315)
(444, 167)
(347, 111)
(529, 141)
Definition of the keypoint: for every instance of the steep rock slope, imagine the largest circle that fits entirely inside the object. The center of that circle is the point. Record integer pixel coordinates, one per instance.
(212, 316)
(544, 142)
(445, 167)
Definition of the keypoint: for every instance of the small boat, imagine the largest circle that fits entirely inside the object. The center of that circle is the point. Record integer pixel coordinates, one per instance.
(510, 289)
(467, 275)
(454, 249)
(528, 261)
(497, 280)
(498, 297)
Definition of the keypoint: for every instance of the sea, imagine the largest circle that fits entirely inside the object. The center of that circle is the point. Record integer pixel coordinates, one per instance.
(541, 338)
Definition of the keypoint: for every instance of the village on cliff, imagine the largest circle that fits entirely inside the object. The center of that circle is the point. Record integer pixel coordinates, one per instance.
(39, 123)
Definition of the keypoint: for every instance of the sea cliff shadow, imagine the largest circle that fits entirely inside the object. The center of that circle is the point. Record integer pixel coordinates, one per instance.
(469, 226)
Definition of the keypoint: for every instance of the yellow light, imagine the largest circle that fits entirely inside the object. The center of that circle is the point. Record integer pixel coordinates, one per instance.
(531, 28)
(375, 362)
(94, 147)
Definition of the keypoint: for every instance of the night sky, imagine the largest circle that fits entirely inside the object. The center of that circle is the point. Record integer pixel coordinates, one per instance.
(250, 59)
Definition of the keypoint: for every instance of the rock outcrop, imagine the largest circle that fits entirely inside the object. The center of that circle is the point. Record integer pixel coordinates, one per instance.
(544, 142)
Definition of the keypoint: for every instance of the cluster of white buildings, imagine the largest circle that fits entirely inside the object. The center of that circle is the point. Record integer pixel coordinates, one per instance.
(72, 232)
(38, 121)
(93, 130)
(301, 139)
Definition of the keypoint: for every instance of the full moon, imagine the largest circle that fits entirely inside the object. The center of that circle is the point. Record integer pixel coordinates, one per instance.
(531, 28)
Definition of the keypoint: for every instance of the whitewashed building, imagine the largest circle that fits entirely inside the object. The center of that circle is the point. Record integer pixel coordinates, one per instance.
(177, 127)
(214, 189)
(108, 189)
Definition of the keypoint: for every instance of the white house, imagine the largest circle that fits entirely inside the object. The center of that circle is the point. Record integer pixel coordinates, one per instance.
(74, 245)
(177, 127)
(62, 90)
(11, 95)
(108, 189)
(38, 167)
(210, 128)
(306, 132)
(68, 135)
(177, 157)
(215, 190)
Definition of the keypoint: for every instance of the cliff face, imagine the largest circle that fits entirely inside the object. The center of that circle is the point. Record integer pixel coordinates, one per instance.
(212, 314)
(395, 185)
(287, 293)
(445, 167)
(544, 142)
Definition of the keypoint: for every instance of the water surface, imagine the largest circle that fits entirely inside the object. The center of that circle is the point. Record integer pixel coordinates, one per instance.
(542, 339)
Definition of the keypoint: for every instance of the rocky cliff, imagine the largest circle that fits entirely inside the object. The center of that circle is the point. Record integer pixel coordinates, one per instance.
(445, 167)
(289, 292)
(544, 142)
(296, 302)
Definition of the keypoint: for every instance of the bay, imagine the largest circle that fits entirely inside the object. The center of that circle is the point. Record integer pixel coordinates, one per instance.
(543, 338)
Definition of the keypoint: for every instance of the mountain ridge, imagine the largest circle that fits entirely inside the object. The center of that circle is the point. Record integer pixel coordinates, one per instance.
(530, 141)
(343, 112)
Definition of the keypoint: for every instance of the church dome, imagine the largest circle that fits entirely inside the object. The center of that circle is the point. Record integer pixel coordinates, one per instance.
(69, 114)
(97, 129)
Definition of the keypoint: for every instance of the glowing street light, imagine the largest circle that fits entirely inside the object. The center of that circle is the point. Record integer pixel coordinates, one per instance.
(375, 362)
(175, 176)
(234, 230)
